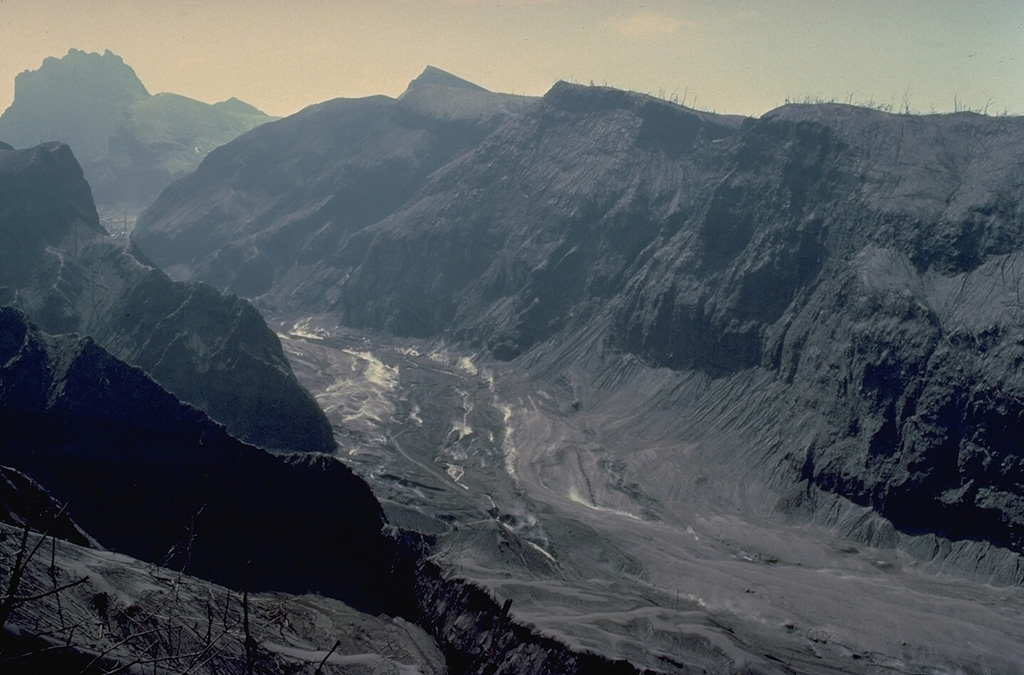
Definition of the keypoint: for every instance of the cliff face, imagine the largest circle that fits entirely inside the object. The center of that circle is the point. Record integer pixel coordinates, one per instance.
(872, 263)
(867, 265)
(157, 479)
(59, 265)
(538, 226)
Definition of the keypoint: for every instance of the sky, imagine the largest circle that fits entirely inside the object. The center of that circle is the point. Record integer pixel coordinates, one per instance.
(729, 56)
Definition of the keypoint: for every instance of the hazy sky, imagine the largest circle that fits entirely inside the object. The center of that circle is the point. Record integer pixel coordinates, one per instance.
(737, 56)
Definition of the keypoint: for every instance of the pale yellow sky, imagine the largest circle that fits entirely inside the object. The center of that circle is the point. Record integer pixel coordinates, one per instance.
(735, 56)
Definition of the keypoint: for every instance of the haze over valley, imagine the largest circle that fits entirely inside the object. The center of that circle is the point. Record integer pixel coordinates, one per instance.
(477, 382)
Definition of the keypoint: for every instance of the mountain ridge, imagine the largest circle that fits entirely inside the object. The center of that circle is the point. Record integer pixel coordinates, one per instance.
(708, 244)
(435, 76)
(130, 142)
(59, 265)
(138, 465)
(416, 134)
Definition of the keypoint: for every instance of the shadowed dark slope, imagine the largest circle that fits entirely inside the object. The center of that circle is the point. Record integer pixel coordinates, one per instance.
(59, 265)
(157, 479)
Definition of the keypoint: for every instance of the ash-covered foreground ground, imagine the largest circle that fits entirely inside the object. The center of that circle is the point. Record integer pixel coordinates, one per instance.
(578, 501)
(119, 614)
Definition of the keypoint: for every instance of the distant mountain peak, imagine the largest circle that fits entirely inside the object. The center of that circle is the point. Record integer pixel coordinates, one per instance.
(442, 78)
(107, 67)
(131, 144)
(238, 106)
(77, 99)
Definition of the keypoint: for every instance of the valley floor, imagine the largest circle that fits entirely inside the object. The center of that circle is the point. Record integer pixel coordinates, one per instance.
(613, 536)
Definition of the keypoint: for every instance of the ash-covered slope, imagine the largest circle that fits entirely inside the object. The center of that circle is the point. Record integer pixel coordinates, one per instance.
(262, 215)
(109, 618)
(131, 144)
(856, 271)
(538, 226)
(156, 478)
(872, 263)
(26, 503)
(60, 266)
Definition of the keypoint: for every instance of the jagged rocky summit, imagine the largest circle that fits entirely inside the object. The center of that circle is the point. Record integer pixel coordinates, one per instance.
(59, 265)
(78, 99)
(857, 272)
(131, 143)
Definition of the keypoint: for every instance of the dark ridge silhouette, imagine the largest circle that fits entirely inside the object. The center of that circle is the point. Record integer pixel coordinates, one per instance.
(155, 478)
(58, 264)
